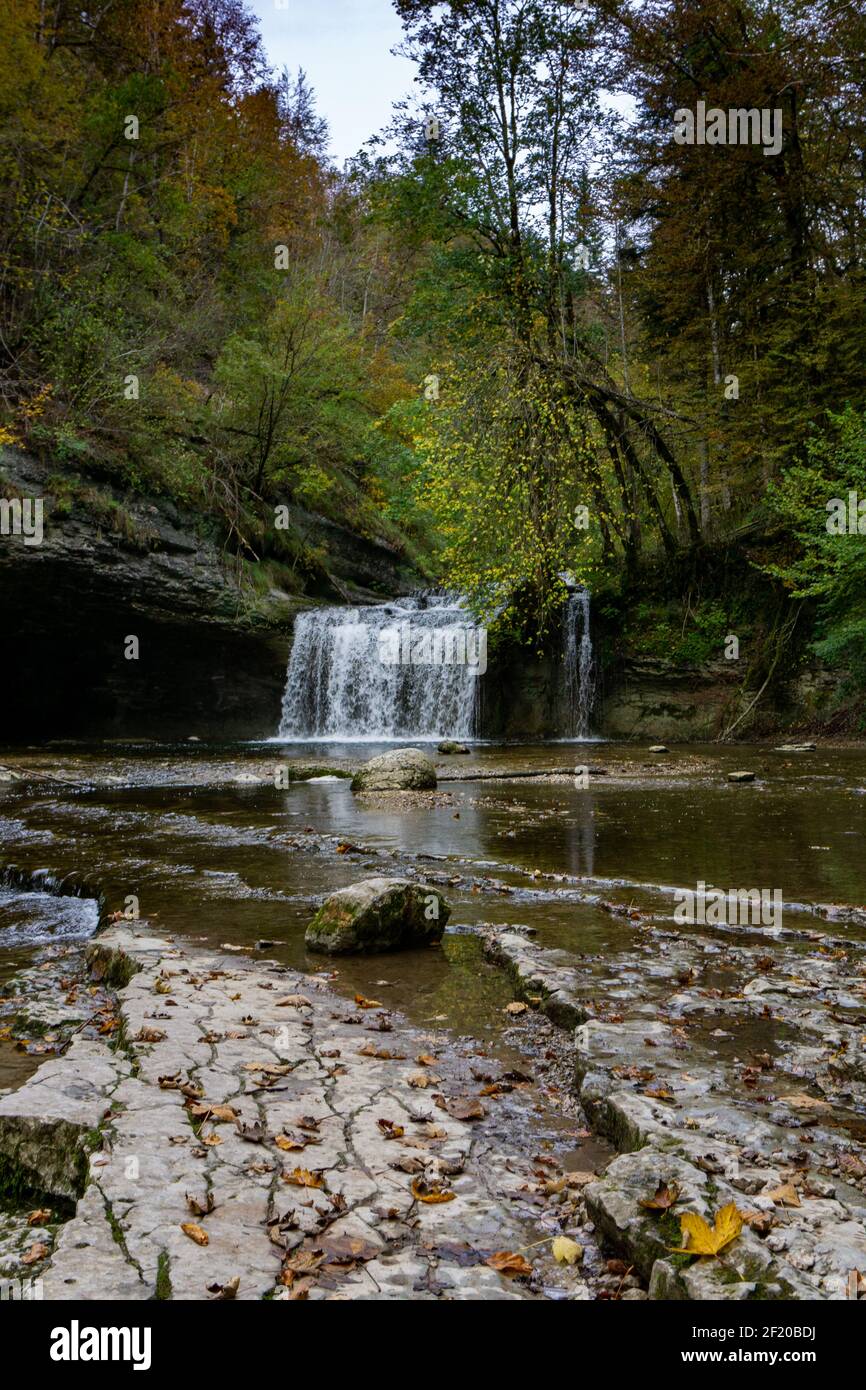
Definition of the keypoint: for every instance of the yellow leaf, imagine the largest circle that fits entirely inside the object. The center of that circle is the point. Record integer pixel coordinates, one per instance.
(430, 1193)
(709, 1240)
(786, 1195)
(566, 1251)
(303, 1177)
(195, 1233)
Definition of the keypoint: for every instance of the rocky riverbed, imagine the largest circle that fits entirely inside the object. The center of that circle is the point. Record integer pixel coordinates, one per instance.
(723, 1062)
(249, 1133)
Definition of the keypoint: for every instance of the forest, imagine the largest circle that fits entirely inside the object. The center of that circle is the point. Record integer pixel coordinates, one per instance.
(530, 330)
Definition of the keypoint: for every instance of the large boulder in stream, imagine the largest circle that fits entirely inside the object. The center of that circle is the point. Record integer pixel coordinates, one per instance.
(378, 914)
(403, 769)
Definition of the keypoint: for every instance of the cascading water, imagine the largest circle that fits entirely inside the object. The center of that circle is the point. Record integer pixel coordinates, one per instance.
(578, 664)
(406, 669)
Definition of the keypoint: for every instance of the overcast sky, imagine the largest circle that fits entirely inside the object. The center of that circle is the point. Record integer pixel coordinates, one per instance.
(344, 46)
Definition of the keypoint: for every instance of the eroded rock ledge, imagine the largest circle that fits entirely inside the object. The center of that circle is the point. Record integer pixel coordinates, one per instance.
(752, 1094)
(295, 1132)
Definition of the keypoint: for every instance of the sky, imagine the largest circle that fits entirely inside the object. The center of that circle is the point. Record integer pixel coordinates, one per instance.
(344, 46)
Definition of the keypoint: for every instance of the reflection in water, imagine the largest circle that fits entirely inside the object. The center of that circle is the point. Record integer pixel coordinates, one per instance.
(239, 863)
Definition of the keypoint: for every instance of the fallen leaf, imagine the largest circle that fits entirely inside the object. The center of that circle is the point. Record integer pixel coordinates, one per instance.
(148, 1035)
(36, 1253)
(709, 1240)
(665, 1196)
(195, 1233)
(785, 1196)
(390, 1129)
(200, 1208)
(342, 1250)
(364, 1003)
(464, 1108)
(294, 1001)
(371, 1050)
(760, 1221)
(290, 1143)
(566, 1251)
(40, 1217)
(430, 1192)
(516, 1008)
(303, 1177)
(225, 1291)
(804, 1102)
(508, 1262)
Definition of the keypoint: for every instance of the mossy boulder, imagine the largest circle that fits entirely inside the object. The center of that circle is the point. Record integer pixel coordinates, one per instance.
(378, 914)
(449, 746)
(403, 769)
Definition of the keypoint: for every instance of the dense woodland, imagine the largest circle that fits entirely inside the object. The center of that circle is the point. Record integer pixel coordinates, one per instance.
(536, 336)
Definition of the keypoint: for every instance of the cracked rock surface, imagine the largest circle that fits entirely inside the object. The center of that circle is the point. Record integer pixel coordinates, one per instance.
(259, 1136)
(751, 1093)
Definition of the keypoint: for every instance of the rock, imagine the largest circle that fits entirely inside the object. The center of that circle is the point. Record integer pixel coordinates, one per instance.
(314, 772)
(796, 748)
(659, 748)
(448, 746)
(378, 914)
(403, 769)
(741, 776)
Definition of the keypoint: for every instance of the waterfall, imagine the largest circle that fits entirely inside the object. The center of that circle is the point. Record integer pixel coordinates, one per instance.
(400, 670)
(579, 668)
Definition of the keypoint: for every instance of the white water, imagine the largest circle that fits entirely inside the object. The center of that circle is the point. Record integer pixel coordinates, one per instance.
(579, 667)
(338, 686)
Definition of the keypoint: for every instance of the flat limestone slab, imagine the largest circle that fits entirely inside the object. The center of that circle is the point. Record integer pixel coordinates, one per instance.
(45, 1123)
(260, 1132)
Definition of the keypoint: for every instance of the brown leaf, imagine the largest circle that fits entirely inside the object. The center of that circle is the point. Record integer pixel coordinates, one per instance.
(148, 1035)
(785, 1196)
(390, 1129)
(222, 1292)
(40, 1217)
(200, 1208)
(422, 1079)
(195, 1233)
(303, 1177)
(290, 1143)
(254, 1132)
(371, 1050)
(223, 1114)
(364, 1003)
(508, 1262)
(36, 1253)
(464, 1107)
(341, 1250)
(430, 1192)
(665, 1196)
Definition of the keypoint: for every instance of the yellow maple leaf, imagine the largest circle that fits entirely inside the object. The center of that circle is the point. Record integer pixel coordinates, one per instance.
(566, 1251)
(709, 1240)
